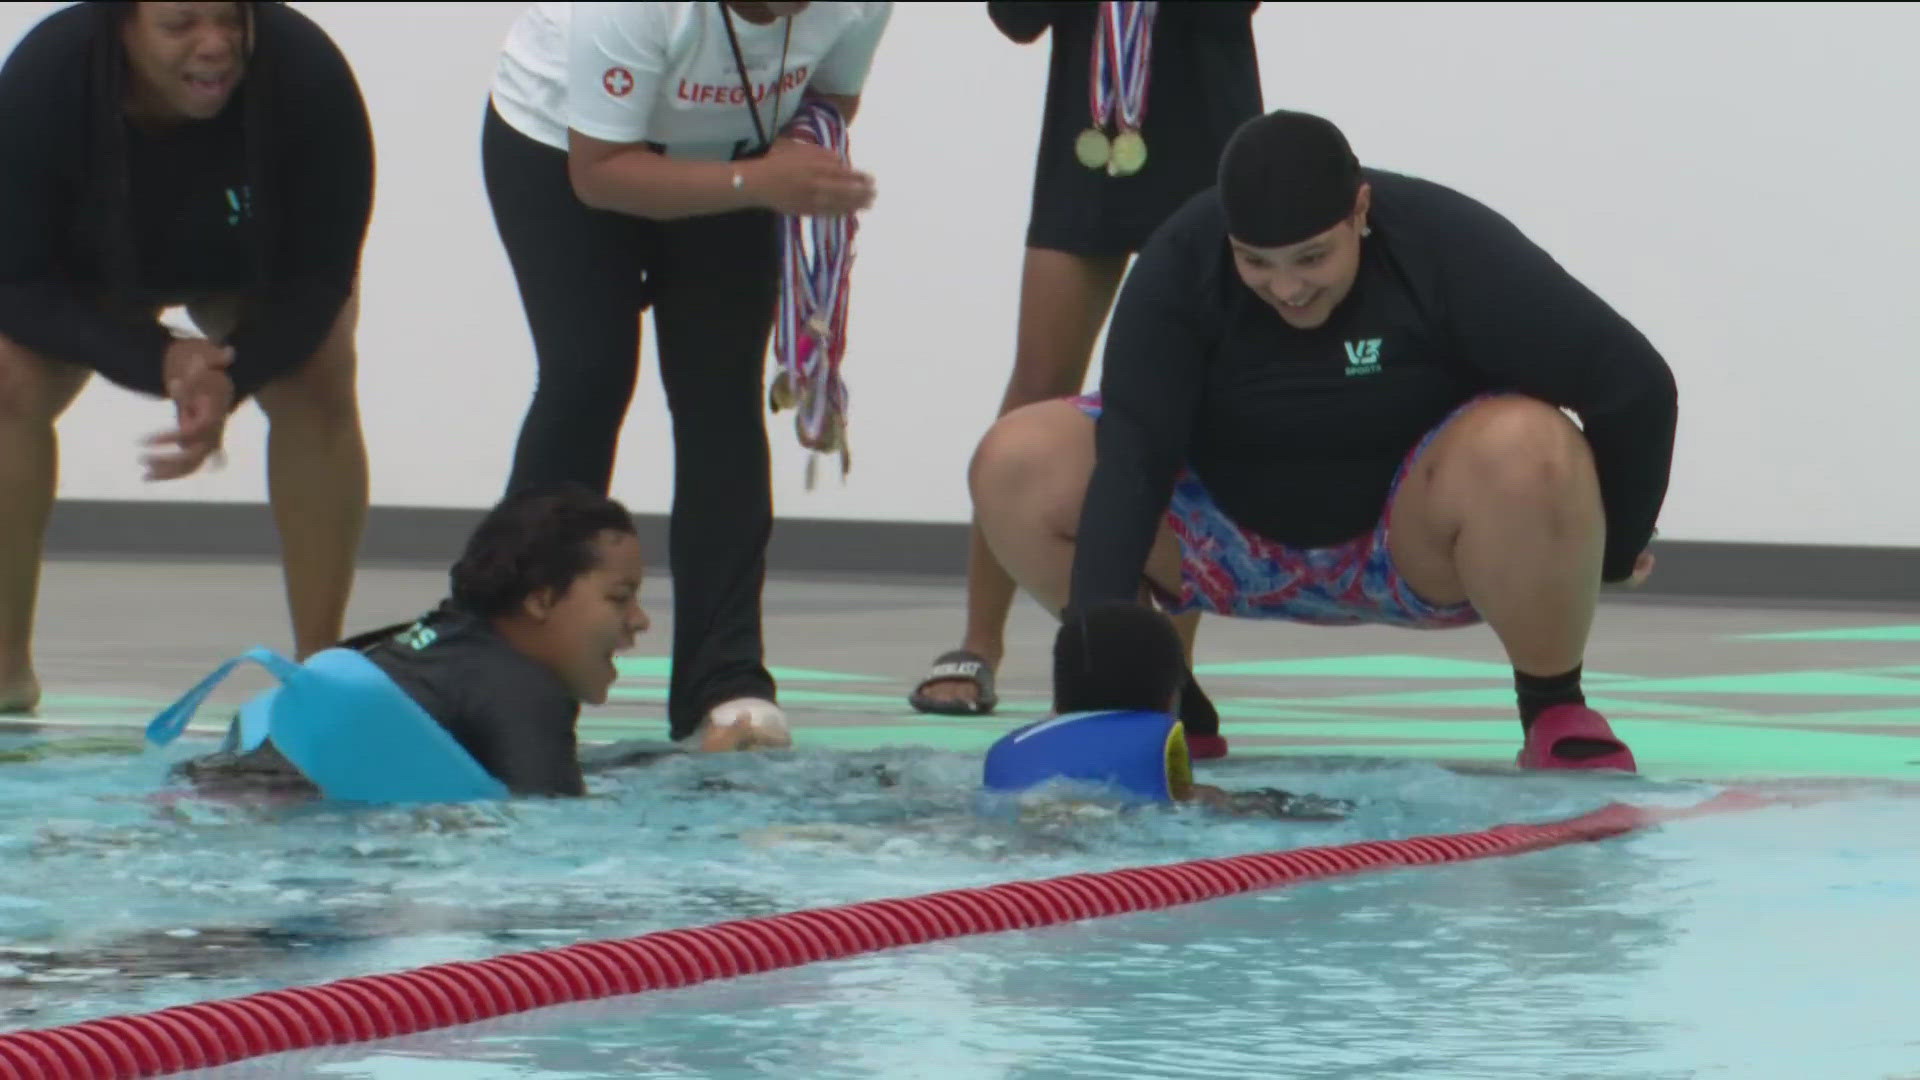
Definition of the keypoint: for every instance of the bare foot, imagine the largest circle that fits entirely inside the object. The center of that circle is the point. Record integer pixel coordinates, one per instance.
(952, 692)
(19, 697)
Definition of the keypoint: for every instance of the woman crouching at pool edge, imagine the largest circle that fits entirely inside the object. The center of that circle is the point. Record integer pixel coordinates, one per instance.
(545, 595)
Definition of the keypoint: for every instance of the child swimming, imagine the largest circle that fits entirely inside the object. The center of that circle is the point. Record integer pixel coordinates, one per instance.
(1118, 670)
(543, 598)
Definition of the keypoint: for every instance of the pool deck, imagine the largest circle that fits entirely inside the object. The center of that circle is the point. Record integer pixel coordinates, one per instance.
(1710, 692)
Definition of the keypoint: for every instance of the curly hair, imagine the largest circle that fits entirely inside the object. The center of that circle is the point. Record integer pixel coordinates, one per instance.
(1117, 654)
(536, 539)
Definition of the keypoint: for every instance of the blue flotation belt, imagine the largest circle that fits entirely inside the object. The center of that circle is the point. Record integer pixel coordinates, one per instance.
(1141, 754)
(347, 727)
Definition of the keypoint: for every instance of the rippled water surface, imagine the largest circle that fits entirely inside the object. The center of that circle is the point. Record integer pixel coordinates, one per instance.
(1771, 943)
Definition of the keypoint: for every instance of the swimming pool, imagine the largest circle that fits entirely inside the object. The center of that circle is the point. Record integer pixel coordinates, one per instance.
(1767, 943)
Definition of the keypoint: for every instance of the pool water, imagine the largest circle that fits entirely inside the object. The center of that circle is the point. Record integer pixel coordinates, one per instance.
(1770, 943)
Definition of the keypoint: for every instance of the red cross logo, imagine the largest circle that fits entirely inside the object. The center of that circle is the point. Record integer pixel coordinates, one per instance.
(618, 81)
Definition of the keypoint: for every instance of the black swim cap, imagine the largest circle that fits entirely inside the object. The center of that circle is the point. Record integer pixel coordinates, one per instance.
(1286, 177)
(1116, 654)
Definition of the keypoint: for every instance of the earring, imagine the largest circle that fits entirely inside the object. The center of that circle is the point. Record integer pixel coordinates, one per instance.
(1366, 230)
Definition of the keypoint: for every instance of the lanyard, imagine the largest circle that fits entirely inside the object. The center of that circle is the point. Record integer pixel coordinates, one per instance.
(746, 83)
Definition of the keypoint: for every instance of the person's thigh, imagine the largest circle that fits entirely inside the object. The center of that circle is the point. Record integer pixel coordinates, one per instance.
(1426, 509)
(584, 275)
(33, 387)
(324, 386)
(1064, 300)
(715, 297)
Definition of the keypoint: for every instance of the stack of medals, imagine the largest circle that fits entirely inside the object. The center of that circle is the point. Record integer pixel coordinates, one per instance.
(810, 335)
(1122, 48)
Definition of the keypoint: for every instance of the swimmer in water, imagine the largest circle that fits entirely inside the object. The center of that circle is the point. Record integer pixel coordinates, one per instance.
(1119, 661)
(1118, 667)
(544, 597)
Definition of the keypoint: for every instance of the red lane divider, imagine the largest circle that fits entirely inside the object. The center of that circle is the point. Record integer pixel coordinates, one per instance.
(216, 1033)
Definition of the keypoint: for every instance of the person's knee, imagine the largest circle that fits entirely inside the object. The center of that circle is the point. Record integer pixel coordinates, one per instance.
(1024, 452)
(1522, 448)
(32, 387)
(322, 390)
(1001, 451)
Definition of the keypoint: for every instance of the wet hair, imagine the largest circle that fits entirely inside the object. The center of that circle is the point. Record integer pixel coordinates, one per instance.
(1117, 654)
(536, 539)
(109, 172)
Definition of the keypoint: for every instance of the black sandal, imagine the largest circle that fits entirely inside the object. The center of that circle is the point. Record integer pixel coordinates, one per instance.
(959, 665)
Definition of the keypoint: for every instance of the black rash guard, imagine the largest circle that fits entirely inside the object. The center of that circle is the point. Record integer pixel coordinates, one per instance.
(1297, 433)
(506, 709)
(198, 222)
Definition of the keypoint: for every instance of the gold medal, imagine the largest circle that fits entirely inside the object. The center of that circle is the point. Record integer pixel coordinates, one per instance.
(1129, 154)
(1091, 148)
(780, 396)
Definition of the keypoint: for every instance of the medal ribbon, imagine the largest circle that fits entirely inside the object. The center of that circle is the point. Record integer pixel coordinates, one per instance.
(1122, 44)
(810, 336)
(1100, 74)
(1136, 48)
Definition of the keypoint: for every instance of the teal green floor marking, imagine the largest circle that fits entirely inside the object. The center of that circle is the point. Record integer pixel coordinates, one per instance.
(1388, 666)
(1380, 727)
(1286, 709)
(1863, 718)
(1500, 753)
(1465, 713)
(1681, 752)
(954, 738)
(661, 667)
(846, 700)
(125, 723)
(643, 667)
(1851, 633)
(1501, 699)
(1662, 749)
(1702, 750)
(93, 702)
(1672, 749)
(1809, 683)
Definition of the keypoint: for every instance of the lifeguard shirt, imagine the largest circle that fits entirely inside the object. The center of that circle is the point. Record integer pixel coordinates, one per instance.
(664, 73)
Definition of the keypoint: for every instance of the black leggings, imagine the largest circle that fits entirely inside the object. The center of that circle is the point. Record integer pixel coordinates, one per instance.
(585, 276)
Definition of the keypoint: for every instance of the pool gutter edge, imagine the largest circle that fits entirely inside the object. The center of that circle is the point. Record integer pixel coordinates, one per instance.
(937, 551)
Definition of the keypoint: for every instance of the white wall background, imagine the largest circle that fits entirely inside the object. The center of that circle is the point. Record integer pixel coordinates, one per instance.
(1737, 179)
